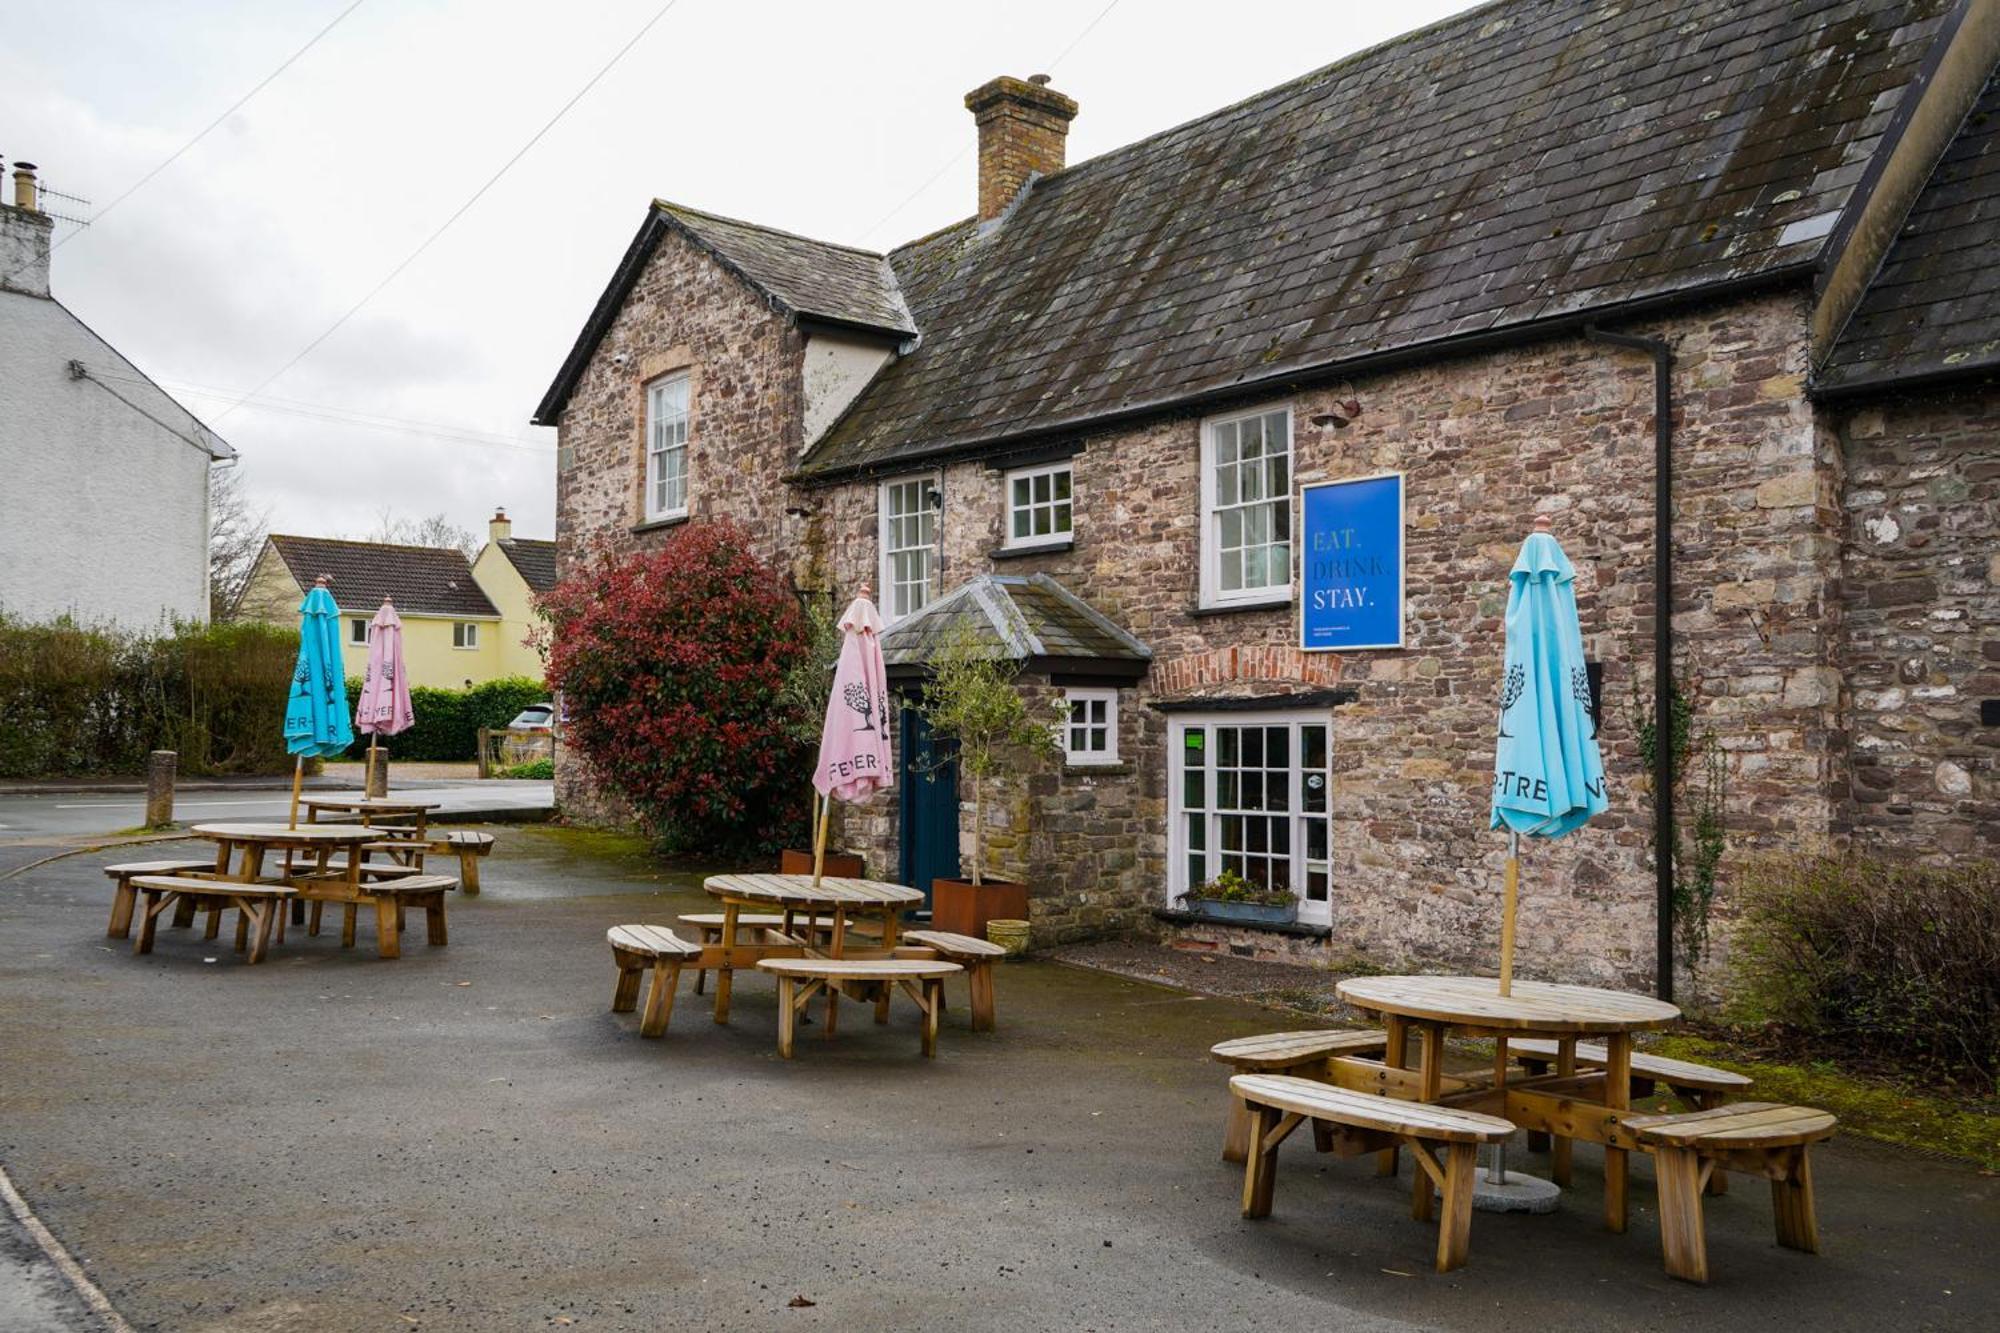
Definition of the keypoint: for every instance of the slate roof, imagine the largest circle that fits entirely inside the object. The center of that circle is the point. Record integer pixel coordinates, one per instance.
(1514, 167)
(534, 561)
(814, 280)
(1031, 618)
(1934, 309)
(421, 580)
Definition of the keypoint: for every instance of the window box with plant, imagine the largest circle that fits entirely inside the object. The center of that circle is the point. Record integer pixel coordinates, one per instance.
(971, 699)
(1230, 897)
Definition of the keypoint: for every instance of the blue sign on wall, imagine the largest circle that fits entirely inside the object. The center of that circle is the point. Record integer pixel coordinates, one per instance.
(1351, 564)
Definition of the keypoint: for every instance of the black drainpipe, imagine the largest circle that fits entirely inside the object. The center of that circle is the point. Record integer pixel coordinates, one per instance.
(1663, 642)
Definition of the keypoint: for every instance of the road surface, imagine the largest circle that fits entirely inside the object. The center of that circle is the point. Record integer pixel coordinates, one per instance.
(69, 813)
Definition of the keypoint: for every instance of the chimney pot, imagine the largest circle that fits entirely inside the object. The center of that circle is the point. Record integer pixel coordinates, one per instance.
(24, 186)
(500, 527)
(1023, 132)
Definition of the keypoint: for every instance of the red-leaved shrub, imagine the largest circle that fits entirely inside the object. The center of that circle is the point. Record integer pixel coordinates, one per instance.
(671, 664)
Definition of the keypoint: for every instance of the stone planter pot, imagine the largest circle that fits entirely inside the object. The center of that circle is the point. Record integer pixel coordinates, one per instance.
(1249, 914)
(963, 907)
(838, 865)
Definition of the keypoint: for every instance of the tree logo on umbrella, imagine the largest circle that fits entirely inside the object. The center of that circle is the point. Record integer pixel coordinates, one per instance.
(857, 698)
(1511, 689)
(1579, 690)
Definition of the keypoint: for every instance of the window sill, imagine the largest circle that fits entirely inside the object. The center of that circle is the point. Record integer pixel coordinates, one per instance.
(1113, 770)
(1017, 552)
(1232, 608)
(1303, 930)
(660, 524)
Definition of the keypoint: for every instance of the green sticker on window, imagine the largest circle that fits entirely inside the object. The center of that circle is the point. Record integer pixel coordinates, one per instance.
(1194, 740)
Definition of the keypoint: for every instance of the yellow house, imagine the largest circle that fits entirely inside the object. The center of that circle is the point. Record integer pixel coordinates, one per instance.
(464, 622)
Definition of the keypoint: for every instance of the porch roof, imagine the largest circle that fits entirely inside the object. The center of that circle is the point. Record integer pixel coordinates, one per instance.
(1032, 618)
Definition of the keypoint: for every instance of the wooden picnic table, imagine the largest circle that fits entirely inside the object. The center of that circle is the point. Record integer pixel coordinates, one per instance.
(797, 896)
(1564, 1103)
(241, 850)
(372, 811)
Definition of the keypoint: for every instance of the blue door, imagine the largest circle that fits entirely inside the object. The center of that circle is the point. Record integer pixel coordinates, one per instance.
(928, 783)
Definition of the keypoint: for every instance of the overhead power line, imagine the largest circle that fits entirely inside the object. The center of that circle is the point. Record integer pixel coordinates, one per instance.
(457, 213)
(959, 156)
(209, 128)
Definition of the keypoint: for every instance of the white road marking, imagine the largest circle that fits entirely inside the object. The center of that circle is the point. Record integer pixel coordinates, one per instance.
(140, 805)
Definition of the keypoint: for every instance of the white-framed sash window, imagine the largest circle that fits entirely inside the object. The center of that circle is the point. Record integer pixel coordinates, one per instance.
(1090, 731)
(1252, 793)
(909, 534)
(465, 634)
(357, 631)
(1246, 507)
(667, 447)
(1040, 510)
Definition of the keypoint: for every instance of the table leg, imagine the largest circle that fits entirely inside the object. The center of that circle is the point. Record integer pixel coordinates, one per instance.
(1560, 1148)
(149, 919)
(787, 1012)
(388, 932)
(266, 910)
(1394, 1057)
(1430, 1086)
(725, 975)
(835, 949)
(1618, 1097)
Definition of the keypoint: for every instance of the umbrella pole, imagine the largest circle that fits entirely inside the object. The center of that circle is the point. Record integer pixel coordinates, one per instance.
(819, 839)
(1507, 912)
(298, 778)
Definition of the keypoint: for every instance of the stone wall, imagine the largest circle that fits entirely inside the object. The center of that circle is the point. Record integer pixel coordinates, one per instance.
(744, 361)
(1485, 442)
(1921, 583)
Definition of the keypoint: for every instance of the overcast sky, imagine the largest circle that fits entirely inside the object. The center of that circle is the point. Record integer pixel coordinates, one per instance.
(818, 116)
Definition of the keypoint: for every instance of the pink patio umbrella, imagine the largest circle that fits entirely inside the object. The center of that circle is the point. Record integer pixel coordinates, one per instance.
(854, 760)
(384, 707)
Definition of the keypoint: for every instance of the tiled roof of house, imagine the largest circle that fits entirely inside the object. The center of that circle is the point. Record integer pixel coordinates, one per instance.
(1032, 618)
(1934, 308)
(534, 561)
(421, 580)
(1511, 168)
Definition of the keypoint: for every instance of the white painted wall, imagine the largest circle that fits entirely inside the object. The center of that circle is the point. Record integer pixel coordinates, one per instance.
(103, 503)
(837, 367)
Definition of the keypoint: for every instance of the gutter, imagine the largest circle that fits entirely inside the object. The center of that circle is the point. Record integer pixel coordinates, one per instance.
(1467, 344)
(1663, 643)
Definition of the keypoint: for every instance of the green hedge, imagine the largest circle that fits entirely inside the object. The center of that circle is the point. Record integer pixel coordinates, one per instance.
(448, 721)
(81, 702)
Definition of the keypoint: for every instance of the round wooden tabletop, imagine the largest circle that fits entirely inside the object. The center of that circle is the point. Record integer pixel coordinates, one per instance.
(1535, 1006)
(356, 801)
(302, 835)
(800, 891)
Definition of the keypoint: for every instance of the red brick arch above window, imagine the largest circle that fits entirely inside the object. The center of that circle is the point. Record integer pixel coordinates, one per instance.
(1244, 664)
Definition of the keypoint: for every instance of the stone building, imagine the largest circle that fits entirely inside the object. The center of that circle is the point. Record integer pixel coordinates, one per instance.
(1476, 257)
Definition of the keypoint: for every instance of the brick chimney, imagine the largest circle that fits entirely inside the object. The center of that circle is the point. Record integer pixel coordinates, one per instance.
(1023, 124)
(499, 528)
(24, 237)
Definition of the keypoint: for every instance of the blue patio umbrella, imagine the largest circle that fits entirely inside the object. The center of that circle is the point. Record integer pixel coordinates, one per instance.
(1548, 777)
(316, 712)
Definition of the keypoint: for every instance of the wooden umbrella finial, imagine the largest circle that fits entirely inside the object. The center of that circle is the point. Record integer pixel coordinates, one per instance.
(323, 581)
(866, 589)
(1542, 522)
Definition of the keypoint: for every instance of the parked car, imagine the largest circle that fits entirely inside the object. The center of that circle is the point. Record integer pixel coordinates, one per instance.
(535, 717)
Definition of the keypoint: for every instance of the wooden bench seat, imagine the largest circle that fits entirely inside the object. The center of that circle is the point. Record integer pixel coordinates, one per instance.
(1279, 1103)
(975, 955)
(468, 846)
(1759, 1138)
(1302, 1053)
(637, 949)
(922, 979)
(123, 895)
(260, 907)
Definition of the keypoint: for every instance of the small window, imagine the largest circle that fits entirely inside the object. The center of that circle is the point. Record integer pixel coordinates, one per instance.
(464, 634)
(909, 534)
(666, 448)
(1246, 507)
(1091, 734)
(1038, 506)
(357, 630)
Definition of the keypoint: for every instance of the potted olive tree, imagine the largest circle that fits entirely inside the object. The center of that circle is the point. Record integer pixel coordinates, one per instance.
(972, 699)
(807, 686)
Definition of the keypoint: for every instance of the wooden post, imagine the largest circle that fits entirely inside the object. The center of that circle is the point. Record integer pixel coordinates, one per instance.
(485, 744)
(819, 843)
(377, 783)
(1507, 912)
(160, 765)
